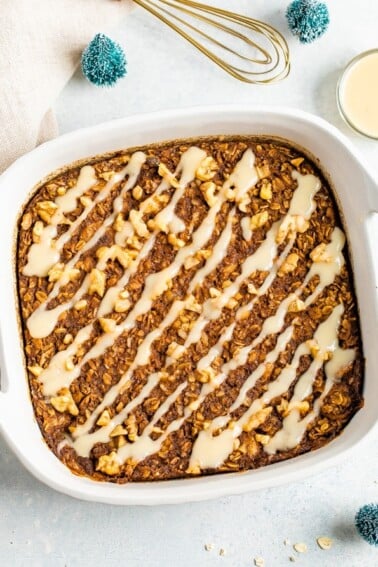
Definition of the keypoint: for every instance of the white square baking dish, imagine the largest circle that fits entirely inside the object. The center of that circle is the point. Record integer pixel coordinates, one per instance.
(357, 193)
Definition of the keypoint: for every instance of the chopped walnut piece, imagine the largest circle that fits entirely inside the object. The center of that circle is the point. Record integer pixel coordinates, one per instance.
(263, 439)
(320, 254)
(207, 169)
(296, 305)
(35, 370)
(56, 272)
(67, 339)
(118, 430)
(168, 175)
(109, 464)
(131, 427)
(263, 171)
(257, 419)
(107, 325)
(37, 231)
(208, 188)
(266, 192)
(139, 225)
(46, 210)
(85, 201)
(119, 223)
(104, 419)
(259, 219)
(175, 242)
(26, 222)
(289, 265)
(97, 281)
(214, 292)
(122, 305)
(69, 365)
(80, 305)
(137, 192)
(297, 161)
(191, 262)
(64, 402)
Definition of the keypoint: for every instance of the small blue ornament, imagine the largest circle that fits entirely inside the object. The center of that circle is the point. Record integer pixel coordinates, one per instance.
(367, 523)
(103, 61)
(307, 19)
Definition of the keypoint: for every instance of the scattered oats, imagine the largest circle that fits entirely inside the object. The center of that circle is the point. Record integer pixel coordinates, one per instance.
(209, 546)
(259, 562)
(286, 542)
(324, 542)
(292, 559)
(300, 547)
(222, 552)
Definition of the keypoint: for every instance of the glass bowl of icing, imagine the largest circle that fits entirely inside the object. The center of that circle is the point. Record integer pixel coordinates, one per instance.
(357, 94)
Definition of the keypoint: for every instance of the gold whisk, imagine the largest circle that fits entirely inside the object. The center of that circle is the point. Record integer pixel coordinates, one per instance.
(269, 61)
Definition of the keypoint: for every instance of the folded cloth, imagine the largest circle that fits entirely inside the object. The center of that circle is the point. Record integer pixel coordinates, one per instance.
(41, 42)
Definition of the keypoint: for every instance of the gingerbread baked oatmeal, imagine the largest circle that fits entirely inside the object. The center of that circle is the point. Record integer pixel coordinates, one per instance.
(188, 308)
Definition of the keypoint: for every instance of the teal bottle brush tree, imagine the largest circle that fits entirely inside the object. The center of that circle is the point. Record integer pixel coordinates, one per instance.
(367, 523)
(103, 61)
(307, 19)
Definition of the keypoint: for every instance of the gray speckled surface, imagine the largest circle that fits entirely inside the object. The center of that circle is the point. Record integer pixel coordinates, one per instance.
(41, 528)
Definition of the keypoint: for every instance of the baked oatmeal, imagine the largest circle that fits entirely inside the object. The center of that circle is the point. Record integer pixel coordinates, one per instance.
(187, 308)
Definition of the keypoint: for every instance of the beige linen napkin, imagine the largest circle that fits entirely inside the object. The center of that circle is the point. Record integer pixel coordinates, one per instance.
(41, 42)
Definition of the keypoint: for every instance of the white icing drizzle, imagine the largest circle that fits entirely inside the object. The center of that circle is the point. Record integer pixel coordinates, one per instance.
(44, 254)
(42, 321)
(209, 451)
(203, 453)
(272, 325)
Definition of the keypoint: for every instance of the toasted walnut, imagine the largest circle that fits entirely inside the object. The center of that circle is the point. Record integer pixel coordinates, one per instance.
(289, 264)
(109, 464)
(139, 225)
(106, 175)
(263, 439)
(282, 406)
(167, 175)
(35, 370)
(191, 262)
(118, 430)
(119, 223)
(296, 305)
(37, 231)
(97, 281)
(252, 289)
(193, 305)
(124, 257)
(297, 161)
(104, 419)
(80, 305)
(203, 254)
(207, 169)
(46, 210)
(231, 303)
(175, 242)
(259, 219)
(302, 406)
(290, 226)
(26, 221)
(124, 294)
(208, 189)
(61, 191)
(193, 469)
(257, 419)
(56, 272)
(137, 192)
(206, 375)
(122, 305)
(266, 191)
(68, 338)
(320, 254)
(313, 347)
(69, 365)
(85, 201)
(64, 402)
(214, 292)
(107, 325)
(131, 427)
